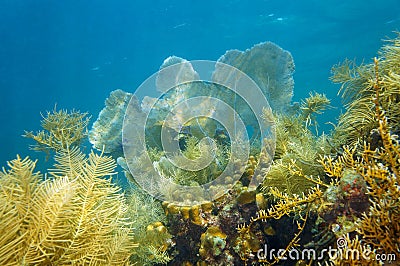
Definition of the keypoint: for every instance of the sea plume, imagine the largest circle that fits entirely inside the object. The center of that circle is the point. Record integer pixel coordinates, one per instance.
(78, 217)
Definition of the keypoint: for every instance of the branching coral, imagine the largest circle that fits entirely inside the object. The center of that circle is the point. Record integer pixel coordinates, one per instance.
(378, 225)
(379, 167)
(313, 105)
(287, 205)
(381, 171)
(353, 253)
(296, 144)
(61, 130)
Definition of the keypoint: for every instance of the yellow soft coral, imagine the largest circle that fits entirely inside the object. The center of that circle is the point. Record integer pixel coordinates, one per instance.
(61, 130)
(75, 219)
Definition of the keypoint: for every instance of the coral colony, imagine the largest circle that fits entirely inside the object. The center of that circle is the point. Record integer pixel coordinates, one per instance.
(320, 199)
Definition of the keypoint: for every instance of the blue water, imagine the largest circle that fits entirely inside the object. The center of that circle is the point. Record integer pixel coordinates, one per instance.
(73, 53)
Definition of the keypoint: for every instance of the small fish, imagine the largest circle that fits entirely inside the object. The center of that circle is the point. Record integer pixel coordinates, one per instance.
(391, 21)
(179, 25)
(95, 68)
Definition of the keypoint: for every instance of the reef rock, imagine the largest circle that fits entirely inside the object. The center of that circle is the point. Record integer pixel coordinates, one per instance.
(268, 65)
(106, 132)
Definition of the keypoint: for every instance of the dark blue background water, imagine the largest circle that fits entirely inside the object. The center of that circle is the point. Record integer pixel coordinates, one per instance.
(74, 53)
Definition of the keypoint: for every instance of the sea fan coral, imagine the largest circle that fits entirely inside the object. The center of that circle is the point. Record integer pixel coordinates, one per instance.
(269, 66)
(106, 133)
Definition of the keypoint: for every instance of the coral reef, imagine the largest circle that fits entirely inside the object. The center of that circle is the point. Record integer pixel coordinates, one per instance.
(205, 235)
(248, 242)
(202, 139)
(379, 169)
(212, 242)
(358, 205)
(337, 192)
